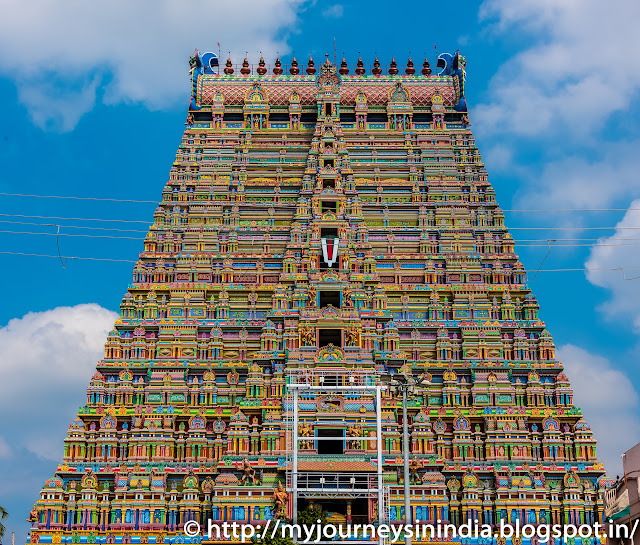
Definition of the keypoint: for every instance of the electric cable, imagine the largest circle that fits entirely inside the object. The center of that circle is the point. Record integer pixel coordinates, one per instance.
(577, 269)
(77, 198)
(106, 199)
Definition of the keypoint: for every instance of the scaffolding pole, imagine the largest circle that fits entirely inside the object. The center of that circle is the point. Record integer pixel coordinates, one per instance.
(379, 492)
(381, 506)
(294, 483)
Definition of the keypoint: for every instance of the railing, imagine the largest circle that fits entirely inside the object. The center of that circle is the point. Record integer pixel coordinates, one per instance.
(329, 378)
(332, 483)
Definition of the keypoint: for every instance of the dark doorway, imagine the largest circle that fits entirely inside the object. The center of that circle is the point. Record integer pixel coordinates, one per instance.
(360, 511)
(330, 447)
(359, 508)
(327, 108)
(308, 117)
(279, 116)
(326, 184)
(329, 206)
(329, 298)
(232, 116)
(329, 336)
(347, 118)
(328, 232)
(377, 117)
(330, 380)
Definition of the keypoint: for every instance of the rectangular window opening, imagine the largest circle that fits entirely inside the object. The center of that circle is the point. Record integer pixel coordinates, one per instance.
(328, 108)
(279, 116)
(233, 116)
(329, 206)
(329, 183)
(329, 336)
(331, 447)
(328, 232)
(329, 298)
(377, 117)
(307, 117)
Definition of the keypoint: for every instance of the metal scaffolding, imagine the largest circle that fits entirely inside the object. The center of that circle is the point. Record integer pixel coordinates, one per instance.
(334, 485)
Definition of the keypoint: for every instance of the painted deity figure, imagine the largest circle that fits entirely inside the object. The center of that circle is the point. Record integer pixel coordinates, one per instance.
(280, 500)
(414, 466)
(307, 335)
(33, 515)
(305, 432)
(351, 336)
(312, 296)
(347, 297)
(355, 431)
(248, 472)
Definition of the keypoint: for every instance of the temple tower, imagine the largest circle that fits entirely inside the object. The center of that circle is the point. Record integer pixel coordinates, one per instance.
(320, 230)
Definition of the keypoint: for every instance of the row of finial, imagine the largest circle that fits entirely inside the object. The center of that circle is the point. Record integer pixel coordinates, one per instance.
(311, 69)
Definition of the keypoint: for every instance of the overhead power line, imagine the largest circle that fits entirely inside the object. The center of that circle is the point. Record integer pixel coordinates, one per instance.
(572, 245)
(74, 226)
(89, 228)
(567, 228)
(77, 198)
(552, 240)
(433, 227)
(106, 199)
(259, 239)
(72, 219)
(69, 235)
(236, 270)
(568, 209)
(69, 257)
(578, 269)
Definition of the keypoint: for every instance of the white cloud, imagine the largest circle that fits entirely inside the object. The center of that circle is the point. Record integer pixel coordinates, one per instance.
(59, 53)
(608, 400)
(5, 449)
(554, 97)
(615, 251)
(57, 107)
(498, 158)
(584, 180)
(336, 11)
(580, 70)
(46, 361)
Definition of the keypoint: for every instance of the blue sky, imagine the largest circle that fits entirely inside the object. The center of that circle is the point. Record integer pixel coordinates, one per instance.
(92, 103)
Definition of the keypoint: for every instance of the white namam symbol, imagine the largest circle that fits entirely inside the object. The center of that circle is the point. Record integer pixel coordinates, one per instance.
(330, 250)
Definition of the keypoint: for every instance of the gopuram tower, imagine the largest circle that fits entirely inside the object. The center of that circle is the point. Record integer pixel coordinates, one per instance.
(320, 233)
